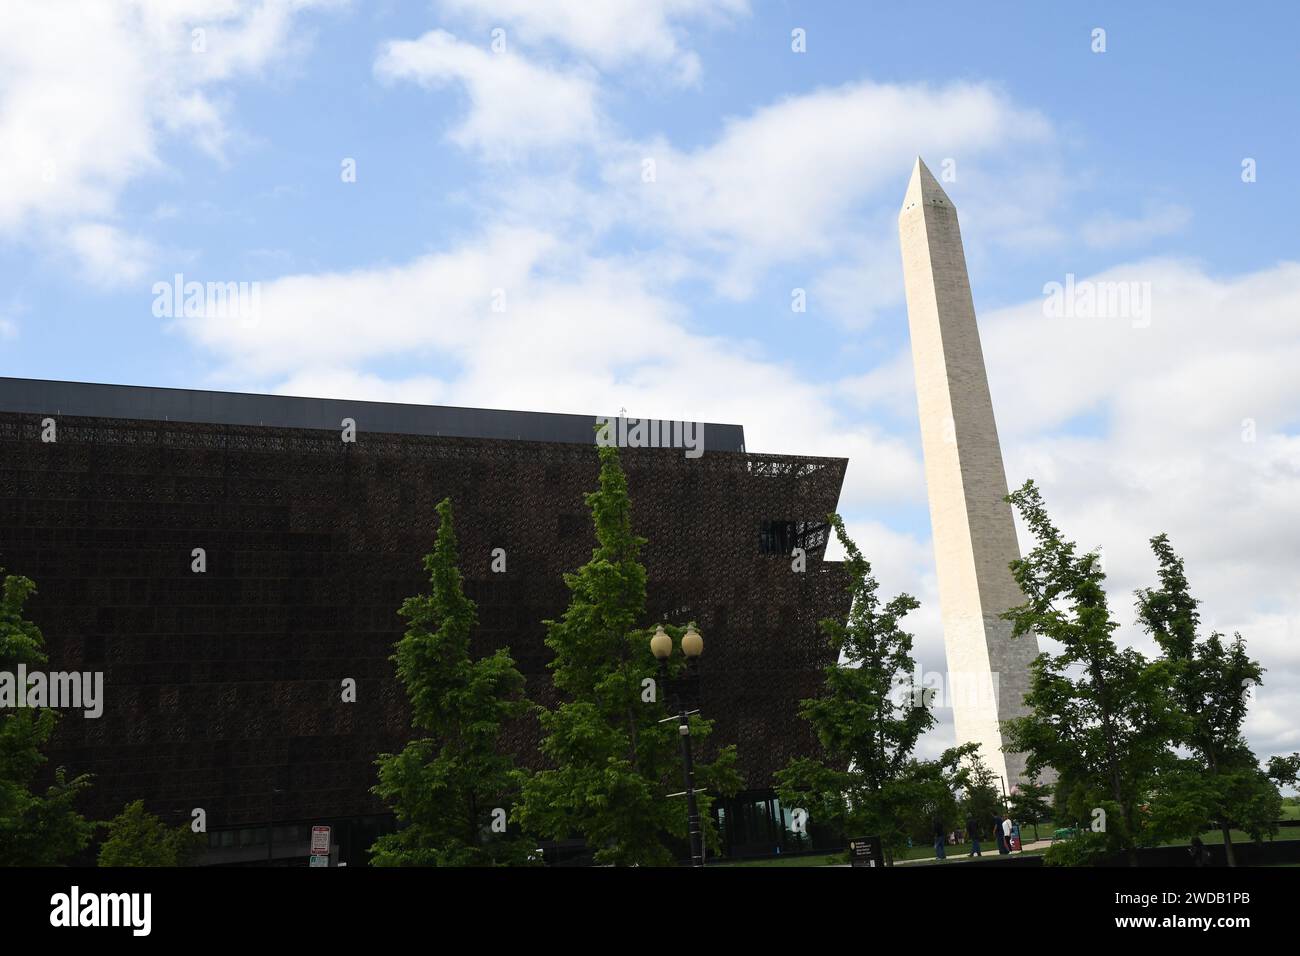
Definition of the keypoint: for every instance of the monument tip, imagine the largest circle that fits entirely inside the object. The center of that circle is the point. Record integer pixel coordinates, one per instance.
(924, 188)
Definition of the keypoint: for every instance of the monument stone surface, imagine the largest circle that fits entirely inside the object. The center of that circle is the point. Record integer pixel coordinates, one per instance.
(974, 533)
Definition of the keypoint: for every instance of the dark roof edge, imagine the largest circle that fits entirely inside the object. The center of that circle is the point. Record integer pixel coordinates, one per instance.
(150, 403)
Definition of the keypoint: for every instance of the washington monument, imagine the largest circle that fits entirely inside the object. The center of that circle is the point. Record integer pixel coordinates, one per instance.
(974, 534)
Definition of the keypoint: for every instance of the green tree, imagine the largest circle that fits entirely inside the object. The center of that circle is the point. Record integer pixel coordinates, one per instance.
(1221, 784)
(982, 799)
(927, 791)
(1101, 717)
(445, 786)
(1284, 771)
(138, 838)
(1084, 848)
(612, 762)
(980, 803)
(35, 829)
(1031, 803)
(867, 721)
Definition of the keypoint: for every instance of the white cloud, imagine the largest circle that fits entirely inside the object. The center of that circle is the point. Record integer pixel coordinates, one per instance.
(766, 191)
(518, 101)
(439, 302)
(88, 89)
(863, 283)
(346, 383)
(803, 178)
(1210, 353)
(890, 387)
(515, 104)
(577, 334)
(107, 256)
(611, 34)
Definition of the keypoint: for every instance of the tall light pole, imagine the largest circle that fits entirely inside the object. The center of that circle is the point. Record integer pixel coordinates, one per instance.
(661, 645)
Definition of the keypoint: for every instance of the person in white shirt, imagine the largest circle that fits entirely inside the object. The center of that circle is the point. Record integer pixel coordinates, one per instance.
(1006, 832)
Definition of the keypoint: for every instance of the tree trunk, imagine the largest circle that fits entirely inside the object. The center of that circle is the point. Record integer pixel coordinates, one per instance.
(1112, 759)
(1227, 844)
(633, 743)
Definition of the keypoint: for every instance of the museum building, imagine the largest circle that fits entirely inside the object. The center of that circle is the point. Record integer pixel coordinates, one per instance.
(222, 685)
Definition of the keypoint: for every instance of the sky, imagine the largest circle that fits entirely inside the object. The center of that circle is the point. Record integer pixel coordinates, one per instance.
(577, 207)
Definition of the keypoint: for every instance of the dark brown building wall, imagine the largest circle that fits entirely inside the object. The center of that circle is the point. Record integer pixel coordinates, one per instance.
(224, 685)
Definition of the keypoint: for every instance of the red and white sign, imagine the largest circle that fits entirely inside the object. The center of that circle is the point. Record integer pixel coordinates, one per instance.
(320, 841)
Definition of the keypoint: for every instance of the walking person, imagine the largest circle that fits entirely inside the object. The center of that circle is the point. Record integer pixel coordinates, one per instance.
(997, 833)
(1006, 833)
(940, 837)
(973, 830)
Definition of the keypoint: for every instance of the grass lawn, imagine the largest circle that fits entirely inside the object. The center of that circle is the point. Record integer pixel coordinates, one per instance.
(1215, 837)
(829, 859)
(989, 846)
(920, 852)
(960, 849)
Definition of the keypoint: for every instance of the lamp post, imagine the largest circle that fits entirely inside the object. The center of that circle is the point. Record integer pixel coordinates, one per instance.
(661, 645)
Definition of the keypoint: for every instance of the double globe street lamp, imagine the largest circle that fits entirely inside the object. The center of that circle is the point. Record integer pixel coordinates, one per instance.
(661, 646)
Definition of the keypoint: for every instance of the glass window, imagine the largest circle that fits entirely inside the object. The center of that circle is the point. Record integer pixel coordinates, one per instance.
(776, 537)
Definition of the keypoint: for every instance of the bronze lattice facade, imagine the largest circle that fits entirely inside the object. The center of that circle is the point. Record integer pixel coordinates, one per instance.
(224, 686)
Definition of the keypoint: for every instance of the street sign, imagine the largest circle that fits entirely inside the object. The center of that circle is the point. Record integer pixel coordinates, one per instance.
(866, 851)
(320, 841)
(320, 861)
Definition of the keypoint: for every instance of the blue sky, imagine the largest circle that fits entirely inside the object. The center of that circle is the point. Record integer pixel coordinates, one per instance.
(136, 149)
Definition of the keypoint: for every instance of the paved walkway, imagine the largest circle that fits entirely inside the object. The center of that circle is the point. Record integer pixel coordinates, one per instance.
(988, 849)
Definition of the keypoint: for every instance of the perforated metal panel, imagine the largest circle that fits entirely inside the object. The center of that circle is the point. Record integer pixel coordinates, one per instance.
(223, 685)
